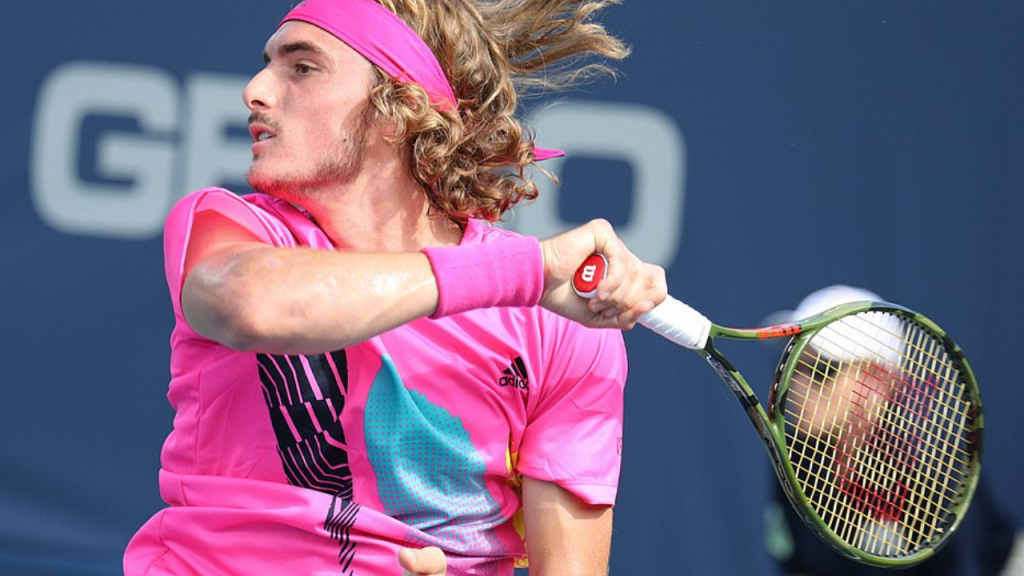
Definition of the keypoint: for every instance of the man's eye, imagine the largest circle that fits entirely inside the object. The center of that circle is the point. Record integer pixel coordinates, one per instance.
(303, 68)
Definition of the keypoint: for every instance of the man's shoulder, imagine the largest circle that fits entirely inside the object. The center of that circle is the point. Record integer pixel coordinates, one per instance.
(216, 193)
(274, 220)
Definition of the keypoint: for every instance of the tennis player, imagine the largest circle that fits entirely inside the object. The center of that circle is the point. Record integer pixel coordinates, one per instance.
(367, 376)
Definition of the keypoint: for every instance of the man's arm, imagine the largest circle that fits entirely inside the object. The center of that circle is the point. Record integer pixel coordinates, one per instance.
(564, 535)
(251, 296)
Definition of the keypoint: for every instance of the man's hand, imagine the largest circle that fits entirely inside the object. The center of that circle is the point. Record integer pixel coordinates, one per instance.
(428, 561)
(631, 287)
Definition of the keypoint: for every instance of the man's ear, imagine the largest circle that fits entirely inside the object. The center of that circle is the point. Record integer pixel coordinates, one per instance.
(387, 127)
(381, 120)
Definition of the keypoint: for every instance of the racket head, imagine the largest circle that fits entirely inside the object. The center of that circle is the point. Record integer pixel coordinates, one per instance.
(878, 423)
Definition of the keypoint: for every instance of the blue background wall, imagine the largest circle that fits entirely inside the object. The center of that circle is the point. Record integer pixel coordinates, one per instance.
(795, 144)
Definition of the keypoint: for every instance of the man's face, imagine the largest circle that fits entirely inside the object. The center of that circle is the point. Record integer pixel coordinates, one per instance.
(310, 112)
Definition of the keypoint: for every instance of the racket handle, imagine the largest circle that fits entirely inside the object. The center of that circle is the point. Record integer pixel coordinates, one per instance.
(679, 323)
(672, 318)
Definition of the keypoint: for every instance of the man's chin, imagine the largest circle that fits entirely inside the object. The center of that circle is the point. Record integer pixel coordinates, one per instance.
(286, 190)
(256, 184)
(263, 183)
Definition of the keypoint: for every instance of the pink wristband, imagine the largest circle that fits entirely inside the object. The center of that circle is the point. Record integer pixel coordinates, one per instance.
(507, 272)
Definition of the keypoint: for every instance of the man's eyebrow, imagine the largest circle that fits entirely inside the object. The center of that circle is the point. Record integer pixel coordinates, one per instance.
(294, 47)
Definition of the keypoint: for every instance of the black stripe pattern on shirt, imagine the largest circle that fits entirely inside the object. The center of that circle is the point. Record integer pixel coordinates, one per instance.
(305, 396)
(341, 516)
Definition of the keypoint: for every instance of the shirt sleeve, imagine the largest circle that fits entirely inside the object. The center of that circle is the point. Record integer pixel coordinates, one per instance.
(573, 435)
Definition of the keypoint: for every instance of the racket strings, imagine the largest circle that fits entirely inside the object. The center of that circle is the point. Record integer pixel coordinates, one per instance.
(864, 497)
(886, 500)
(920, 402)
(856, 421)
(877, 426)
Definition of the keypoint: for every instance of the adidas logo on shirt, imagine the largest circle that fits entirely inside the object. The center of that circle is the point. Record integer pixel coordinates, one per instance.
(515, 375)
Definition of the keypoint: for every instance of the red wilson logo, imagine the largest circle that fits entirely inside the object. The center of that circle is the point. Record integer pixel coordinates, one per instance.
(589, 275)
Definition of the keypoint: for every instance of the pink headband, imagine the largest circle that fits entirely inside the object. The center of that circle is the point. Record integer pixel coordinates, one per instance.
(385, 40)
(382, 38)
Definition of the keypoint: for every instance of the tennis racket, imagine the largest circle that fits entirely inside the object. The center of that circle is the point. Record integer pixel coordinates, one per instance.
(873, 424)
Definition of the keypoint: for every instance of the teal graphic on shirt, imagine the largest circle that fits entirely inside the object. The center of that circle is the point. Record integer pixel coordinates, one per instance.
(429, 474)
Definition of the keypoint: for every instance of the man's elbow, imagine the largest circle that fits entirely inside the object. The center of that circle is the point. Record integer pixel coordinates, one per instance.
(229, 313)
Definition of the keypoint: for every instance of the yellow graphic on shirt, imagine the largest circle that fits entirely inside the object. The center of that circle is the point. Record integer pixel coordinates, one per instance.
(514, 480)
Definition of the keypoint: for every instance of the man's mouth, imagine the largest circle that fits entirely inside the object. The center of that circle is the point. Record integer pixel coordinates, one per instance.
(260, 132)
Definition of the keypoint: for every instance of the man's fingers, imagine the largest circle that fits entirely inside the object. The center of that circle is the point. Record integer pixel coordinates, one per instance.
(635, 284)
(424, 562)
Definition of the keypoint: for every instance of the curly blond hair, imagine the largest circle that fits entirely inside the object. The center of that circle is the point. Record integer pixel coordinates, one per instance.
(471, 161)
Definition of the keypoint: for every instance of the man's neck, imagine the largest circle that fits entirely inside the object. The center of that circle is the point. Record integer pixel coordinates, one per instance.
(382, 209)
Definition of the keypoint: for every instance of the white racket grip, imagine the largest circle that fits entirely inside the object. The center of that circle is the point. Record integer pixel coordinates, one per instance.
(679, 323)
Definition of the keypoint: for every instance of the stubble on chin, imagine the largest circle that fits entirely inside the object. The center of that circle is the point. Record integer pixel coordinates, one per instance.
(280, 187)
(300, 189)
(337, 167)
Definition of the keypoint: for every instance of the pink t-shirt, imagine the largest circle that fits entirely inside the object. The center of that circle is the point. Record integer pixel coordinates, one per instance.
(328, 464)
